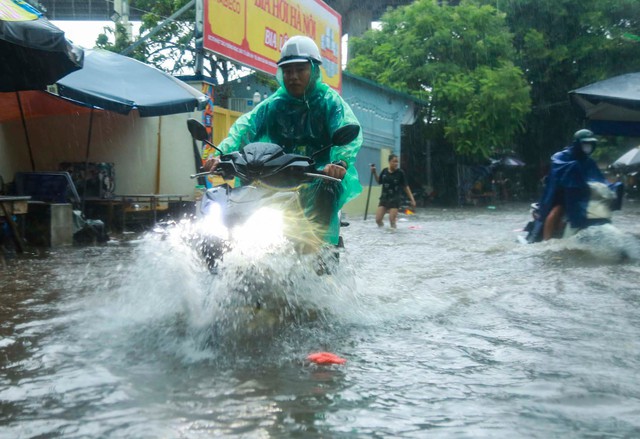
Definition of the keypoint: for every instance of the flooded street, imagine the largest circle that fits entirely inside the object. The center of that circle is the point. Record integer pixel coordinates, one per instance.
(449, 327)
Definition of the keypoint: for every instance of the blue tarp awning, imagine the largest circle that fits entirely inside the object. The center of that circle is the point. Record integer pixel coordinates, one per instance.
(611, 106)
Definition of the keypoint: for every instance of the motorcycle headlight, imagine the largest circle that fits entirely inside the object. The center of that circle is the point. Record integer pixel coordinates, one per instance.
(212, 224)
(262, 230)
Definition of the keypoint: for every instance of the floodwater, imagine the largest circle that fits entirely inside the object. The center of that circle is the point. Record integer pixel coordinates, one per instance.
(449, 328)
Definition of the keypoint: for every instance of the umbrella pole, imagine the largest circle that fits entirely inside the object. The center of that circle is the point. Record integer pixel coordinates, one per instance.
(26, 133)
(366, 208)
(86, 162)
(159, 154)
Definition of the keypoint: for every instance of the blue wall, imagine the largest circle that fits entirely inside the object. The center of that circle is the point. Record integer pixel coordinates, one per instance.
(381, 112)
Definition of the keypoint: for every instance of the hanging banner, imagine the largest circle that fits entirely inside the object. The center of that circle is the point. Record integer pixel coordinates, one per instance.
(252, 32)
(207, 120)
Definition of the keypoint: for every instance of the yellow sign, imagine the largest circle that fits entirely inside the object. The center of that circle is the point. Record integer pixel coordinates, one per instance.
(252, 32)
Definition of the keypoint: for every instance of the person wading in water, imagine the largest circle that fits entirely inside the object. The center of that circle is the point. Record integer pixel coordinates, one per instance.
(393, 181)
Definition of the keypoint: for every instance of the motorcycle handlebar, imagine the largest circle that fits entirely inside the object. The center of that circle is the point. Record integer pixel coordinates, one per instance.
(202, 174)
(322, 177)
(306, 173)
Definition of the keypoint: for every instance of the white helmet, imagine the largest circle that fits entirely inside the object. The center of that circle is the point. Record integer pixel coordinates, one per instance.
(299, 49)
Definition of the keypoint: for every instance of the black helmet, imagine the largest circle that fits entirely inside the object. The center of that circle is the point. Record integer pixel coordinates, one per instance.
(584, 136)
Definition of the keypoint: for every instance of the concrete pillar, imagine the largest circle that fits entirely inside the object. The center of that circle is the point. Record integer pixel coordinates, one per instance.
(121, 7)
(355, 23)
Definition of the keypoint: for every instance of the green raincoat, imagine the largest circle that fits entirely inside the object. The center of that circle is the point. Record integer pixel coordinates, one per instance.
(303, 126)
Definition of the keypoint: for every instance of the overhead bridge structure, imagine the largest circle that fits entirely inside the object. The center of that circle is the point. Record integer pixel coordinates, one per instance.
(357, 15)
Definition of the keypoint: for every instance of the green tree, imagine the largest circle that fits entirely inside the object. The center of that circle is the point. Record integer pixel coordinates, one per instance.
(173, 47)
(459, 60)
(562, 45)
(120, 38)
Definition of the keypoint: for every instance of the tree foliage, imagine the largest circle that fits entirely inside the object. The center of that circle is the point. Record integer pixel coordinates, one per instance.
(562, 45)
(457, 59)
(120, 38)
(489, 70)
(173, 47)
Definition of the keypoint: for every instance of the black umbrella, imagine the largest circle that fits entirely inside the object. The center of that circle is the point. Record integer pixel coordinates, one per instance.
(119, 83)
(33, 52)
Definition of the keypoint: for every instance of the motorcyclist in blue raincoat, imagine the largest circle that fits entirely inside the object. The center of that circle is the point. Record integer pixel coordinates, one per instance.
(302, 116)
(566, 194)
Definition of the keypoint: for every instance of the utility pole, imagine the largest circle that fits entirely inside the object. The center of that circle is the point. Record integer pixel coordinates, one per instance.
(121, 15)
(199, 38)
(156, 29)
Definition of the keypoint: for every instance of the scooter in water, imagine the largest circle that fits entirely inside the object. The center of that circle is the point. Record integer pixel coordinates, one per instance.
(603, 200)
(265, 208)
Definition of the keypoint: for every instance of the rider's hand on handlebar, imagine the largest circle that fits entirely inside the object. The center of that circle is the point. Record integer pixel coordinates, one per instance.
(211, 164)
(334, 171)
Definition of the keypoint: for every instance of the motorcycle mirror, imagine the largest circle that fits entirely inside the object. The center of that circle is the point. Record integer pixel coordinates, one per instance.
(345, 134)
(197, 130)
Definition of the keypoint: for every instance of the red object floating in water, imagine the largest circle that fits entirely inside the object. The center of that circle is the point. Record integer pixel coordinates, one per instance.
(325, 358)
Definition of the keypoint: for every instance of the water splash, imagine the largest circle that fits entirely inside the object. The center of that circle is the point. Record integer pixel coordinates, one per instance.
(606, 243)
(168, 301)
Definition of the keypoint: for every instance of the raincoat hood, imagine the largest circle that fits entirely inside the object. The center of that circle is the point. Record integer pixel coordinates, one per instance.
(315, 81)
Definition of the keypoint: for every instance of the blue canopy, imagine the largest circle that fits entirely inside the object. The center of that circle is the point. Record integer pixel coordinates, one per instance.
(612, 106)
(119, 83)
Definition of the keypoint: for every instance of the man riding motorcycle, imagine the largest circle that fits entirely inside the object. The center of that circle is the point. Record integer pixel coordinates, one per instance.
(567, 191)
(302, 116)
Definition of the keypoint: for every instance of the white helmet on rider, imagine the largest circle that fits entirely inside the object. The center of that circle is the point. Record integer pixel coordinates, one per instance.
(299, 49)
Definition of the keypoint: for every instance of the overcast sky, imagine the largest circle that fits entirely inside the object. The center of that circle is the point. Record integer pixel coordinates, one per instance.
(85, 33)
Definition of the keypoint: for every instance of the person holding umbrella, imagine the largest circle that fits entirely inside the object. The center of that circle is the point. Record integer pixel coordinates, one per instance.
(393, 181)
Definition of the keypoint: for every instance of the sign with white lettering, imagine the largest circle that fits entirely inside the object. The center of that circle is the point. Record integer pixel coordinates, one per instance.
(252, 32)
